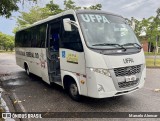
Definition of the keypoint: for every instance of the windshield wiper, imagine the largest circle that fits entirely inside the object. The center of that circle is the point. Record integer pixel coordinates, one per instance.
(110, 44)
(139, 47)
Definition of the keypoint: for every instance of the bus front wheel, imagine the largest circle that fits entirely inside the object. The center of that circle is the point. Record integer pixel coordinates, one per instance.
(73, 91)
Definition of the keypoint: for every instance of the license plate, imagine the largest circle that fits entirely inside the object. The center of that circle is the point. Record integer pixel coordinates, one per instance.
(130, 78)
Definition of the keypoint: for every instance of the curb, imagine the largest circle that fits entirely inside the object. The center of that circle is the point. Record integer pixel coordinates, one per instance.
(5, 106)
(18, 106)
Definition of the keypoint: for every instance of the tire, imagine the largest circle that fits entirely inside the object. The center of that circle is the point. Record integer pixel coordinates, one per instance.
(73, 91)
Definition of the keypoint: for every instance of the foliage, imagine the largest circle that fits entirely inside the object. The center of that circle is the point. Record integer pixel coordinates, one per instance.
(6, 41)
(152, 29)
(53, 8)
(8, 6)
(36, 13)
(158, 11)
(94, 7)
(148, 26)
(69, 4)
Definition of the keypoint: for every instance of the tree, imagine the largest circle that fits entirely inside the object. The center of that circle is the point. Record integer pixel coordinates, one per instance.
(6, 41)
(69, 4)
(138, 28)
(36, 13)
(150, 27)
(158, 12)
(8, 6)
(53, 8)
(96, 7)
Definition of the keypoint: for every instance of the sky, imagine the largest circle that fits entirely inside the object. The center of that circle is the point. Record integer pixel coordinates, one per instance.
(138, 9)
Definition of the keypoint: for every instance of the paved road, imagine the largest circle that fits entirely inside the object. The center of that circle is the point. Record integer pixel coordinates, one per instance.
(37, 96)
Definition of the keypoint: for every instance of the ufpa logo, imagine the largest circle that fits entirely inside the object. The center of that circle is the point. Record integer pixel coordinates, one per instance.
(128, 60)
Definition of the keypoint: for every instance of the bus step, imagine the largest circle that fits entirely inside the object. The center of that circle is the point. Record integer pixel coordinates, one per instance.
(56, 78)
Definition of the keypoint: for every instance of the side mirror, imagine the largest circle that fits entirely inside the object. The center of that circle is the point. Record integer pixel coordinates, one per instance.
(67, 24)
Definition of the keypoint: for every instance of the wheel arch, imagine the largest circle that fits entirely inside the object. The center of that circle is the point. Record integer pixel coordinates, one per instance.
(70, 77)
(26, 65)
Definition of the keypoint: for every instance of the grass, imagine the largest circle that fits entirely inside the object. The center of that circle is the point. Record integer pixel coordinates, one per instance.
(150, 62)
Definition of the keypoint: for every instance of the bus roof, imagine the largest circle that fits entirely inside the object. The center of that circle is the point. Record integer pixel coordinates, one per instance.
(66, 12)
(96, 11)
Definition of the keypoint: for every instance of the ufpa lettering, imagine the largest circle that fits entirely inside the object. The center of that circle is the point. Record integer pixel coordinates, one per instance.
(94, 18)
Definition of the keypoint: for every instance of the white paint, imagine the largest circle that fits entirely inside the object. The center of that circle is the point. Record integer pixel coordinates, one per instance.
(37, 66)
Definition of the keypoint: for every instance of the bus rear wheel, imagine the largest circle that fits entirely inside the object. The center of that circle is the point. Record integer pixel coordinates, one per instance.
(73, 91)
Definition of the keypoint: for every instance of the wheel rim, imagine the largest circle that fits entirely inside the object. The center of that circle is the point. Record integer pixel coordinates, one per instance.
(73, 90)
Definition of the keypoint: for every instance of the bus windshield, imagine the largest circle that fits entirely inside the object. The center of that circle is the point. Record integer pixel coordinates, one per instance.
(102, 31)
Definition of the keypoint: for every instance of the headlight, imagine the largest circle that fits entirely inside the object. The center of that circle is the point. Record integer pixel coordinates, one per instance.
(101, 71)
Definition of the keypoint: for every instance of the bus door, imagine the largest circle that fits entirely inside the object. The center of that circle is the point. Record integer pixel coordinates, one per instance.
(53, 52)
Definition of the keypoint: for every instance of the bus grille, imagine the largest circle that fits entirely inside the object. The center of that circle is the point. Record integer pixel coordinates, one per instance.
(128, 84)
(126, 71)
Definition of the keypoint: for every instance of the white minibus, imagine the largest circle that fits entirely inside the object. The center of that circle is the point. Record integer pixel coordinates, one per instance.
(88, 52)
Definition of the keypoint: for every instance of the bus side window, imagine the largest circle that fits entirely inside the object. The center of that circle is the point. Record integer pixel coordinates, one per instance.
(34, 37)
(71, 40)
(41, 35)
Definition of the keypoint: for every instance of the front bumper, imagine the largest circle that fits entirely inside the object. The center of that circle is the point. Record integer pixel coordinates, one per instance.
(110, 85)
